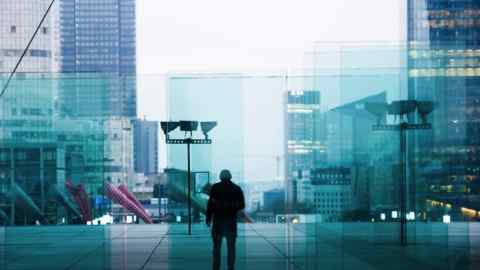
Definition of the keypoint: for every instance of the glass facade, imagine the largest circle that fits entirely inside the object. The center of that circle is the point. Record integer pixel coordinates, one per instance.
(334, 175)
(443, 67)
(305, 149)
(41, 150)
(100, 37)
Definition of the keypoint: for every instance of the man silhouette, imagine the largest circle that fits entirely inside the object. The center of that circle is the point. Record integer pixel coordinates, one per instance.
(226, 199)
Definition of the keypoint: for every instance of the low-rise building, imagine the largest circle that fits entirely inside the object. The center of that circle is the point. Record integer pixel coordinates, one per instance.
(328, 191)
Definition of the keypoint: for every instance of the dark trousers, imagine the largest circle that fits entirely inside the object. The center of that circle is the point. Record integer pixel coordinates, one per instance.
(217, 248)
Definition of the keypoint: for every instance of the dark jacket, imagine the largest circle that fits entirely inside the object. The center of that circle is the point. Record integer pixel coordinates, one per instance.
(226, 199)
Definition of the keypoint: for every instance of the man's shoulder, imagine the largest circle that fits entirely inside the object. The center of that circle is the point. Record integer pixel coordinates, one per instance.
(214, 187)
(237, 187)
(227, 186)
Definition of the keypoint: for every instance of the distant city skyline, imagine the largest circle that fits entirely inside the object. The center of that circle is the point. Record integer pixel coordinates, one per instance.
(213, 36)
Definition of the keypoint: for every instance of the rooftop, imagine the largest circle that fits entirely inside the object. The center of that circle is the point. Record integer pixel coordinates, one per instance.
(260, 246)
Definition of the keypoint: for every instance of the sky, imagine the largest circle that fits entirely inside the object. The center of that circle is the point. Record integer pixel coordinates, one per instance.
(219, 35)
(248, 36)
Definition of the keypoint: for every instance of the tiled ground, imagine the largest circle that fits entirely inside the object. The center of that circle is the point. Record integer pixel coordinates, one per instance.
(278, 247)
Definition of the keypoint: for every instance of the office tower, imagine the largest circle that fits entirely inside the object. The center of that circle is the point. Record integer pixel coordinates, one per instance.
(145, 145)
(38, 150)
(19, 20)
(303, 136)
(28, 99)
(444, 67)
(98, 44)
(350, 144)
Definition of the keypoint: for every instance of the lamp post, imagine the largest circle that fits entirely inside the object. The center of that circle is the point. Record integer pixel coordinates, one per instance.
(188, 127)
(400, 109)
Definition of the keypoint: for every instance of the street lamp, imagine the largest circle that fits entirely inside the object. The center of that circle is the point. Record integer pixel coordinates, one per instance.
(400, 109)
(188, 127)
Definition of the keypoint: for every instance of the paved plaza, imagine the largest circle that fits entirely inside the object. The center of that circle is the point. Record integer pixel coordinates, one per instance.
(260, 246)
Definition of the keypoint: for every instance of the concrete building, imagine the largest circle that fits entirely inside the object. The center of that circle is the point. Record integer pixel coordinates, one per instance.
(119, 151)
(327, 191)
(19, 20)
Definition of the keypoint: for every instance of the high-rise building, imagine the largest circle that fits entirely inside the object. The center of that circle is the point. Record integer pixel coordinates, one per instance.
(350, 144)
(444, 67)
(304, 137)
(98, 41)
(19, 21)
(118, 151)
(145, 145)
(42, 150)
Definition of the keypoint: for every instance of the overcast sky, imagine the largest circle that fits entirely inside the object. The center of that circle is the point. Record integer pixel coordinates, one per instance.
(219, 35)
(248, 35)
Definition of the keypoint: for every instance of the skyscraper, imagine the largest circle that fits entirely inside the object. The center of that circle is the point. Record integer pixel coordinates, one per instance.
(36, 145)
(145, 145)
(444, 67)
(303, 136)
(98, 43)
(19, 20)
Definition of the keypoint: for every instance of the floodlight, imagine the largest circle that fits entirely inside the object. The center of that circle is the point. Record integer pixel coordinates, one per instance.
(402, 107)
(379, 109)
(167, 127)
(207, 127)
(188, 126)
(424, 109)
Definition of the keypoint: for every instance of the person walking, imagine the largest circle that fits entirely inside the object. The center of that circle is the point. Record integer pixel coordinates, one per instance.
(226, 200)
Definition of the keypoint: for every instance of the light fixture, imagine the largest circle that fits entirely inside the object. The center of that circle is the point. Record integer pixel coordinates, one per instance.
(207, 127)
(424, 109)
(168, 127)
(447, 219)
(188, 126)
(402, 107)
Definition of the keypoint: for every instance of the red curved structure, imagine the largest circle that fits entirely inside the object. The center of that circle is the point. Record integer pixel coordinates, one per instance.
(132, 198)
(81, 198)
(118, 197)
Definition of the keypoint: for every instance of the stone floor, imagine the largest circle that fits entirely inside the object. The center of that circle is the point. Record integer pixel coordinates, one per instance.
(260, 246)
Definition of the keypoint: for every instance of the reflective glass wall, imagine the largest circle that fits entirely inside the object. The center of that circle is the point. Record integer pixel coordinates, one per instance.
(366, 156)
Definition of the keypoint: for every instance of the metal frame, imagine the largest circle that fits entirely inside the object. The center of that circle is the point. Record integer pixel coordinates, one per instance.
(189, 142)
(403, 127)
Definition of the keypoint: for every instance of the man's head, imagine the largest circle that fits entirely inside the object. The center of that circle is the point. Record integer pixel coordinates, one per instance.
(225, 175)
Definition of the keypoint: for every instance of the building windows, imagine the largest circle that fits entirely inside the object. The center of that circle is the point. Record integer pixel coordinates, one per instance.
(13, 29)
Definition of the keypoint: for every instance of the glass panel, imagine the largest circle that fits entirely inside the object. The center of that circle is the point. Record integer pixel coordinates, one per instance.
(334, 176)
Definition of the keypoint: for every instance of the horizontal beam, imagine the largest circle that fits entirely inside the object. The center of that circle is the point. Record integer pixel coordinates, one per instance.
(189, 141)
(401, 126)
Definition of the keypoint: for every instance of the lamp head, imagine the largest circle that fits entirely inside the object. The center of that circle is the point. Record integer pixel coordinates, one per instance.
(167, 127)
(188, 126)
(207, 127)
(402, 107)
(424, 109)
